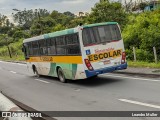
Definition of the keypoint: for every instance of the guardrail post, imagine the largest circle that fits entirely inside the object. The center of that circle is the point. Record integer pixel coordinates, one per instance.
(134, 53)
(155, 54)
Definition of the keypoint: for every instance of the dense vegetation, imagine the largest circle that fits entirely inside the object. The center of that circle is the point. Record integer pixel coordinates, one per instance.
(141, 30)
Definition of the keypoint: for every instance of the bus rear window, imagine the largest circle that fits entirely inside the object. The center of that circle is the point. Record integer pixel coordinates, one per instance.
(101, 34)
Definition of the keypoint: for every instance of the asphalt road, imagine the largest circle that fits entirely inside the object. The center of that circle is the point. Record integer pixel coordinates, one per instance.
(107, 92)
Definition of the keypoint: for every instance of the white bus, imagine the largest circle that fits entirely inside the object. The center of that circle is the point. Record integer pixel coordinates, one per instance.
(77, 53)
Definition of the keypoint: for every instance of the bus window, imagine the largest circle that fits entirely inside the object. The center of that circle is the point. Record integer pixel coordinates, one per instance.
(30, 51)
(73, 46)
(115, 32)
(72, 39)
(75, 39)
(60, 40)
(42, 47)
(69, 39)
(88, 36)
(60, 46)
(51, 46)
(35, 48)
(100, 34)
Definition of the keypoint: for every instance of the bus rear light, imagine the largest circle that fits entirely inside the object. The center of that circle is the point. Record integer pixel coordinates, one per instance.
(123, 58)
(88, 64)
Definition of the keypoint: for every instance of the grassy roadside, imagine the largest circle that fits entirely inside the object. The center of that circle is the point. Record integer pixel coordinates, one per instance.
(143, 64)
(14, 58)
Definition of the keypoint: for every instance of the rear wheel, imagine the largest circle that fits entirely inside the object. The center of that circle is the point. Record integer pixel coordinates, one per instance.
(61, 75)
(36, 72)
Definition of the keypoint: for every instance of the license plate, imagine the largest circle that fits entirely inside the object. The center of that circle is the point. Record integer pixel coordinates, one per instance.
(107, 62)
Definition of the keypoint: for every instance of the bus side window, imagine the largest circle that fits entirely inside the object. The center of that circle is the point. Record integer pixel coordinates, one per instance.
(51, 47)
(35, 48)
(75, 39)
(73, 47)
(42, 47)
(69, 39)
(61, 45)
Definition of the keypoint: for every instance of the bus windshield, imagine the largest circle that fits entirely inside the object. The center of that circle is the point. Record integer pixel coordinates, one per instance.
(101, 34)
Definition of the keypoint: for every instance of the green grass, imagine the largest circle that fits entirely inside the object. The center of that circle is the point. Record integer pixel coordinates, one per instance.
(143, 64)
(14, 58)
(16, 52)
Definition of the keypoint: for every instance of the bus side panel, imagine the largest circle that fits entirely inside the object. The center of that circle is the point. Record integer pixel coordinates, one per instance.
(71, 71)
(43, 68)
(72, 66)
(80, 72)
(52, 71)
(68, 69)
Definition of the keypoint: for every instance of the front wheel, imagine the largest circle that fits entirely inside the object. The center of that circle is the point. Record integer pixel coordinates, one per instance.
(61, 75)
(36, 73)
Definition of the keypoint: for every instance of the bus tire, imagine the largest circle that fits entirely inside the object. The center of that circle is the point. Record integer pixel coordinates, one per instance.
(61, 75)
(36, 72)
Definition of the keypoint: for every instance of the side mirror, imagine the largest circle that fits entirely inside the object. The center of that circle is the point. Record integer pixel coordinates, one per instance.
(22, 49)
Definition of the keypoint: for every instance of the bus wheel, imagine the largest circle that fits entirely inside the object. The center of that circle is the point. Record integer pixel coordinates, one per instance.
(61, 75)
(36, 73)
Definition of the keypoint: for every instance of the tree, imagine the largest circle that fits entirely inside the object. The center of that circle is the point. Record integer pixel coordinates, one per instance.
(43, 25)
(58, 27)
(20, 34)
(106, 11)
(26, 17)
(2, 20)
(62, 18)
(68, 13)
(142, 32)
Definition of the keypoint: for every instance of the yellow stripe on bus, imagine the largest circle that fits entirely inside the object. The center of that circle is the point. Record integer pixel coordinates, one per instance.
(57, 59)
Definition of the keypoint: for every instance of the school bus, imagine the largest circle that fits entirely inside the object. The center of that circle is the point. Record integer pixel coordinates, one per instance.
(76, 53)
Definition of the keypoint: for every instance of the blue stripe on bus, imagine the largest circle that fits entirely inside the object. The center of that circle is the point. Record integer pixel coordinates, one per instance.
(105, 70)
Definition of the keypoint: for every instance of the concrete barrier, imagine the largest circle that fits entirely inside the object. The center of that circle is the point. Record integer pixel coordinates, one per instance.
(8, 106)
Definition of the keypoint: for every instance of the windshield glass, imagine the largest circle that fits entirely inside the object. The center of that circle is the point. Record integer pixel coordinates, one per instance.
(101, 34)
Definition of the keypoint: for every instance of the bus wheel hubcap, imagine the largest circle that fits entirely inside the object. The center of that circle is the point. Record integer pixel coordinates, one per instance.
(61, 76)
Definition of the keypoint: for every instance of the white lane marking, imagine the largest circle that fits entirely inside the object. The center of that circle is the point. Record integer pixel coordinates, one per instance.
(21, 64)
(13, 72)
(133, 78)
(13, 63)
(2, 62)
(41, 81)
(140, 103)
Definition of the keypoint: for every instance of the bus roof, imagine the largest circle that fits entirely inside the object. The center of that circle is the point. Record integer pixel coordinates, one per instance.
(99, 24)
(51, 35)
(65, 32)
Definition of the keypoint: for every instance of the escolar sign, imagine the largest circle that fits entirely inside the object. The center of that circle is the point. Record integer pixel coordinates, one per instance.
(97, 57)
